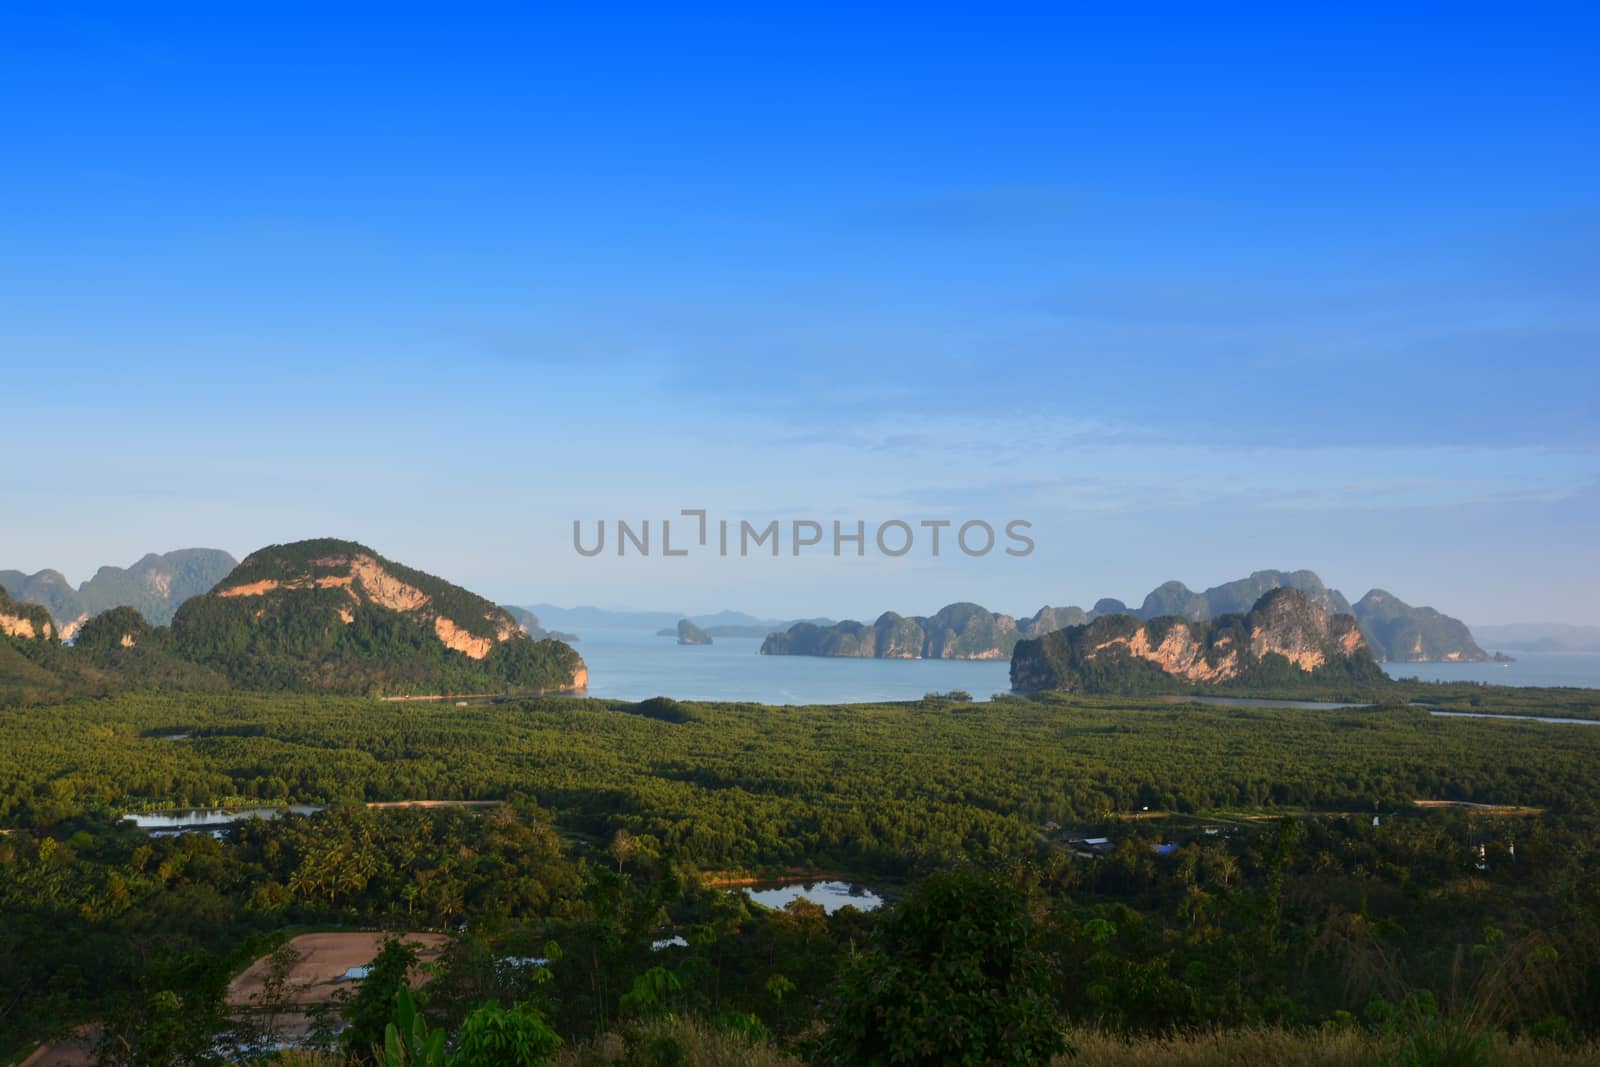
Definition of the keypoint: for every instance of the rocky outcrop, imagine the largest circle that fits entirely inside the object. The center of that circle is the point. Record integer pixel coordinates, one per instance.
(690, 634)
(1287, 638)
(459, 640)
(26, 622)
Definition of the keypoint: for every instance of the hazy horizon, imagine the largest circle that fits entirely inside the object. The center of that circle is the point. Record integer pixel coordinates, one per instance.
(707, 604)
(1236, 294)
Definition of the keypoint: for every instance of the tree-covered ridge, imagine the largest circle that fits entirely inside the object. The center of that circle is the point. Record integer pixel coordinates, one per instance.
(116, 650)
(334, 615)
(1286, 642)
(155, 586)
(35, 666)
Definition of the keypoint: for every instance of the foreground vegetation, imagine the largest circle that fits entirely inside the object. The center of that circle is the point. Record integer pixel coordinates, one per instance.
(1299, 900)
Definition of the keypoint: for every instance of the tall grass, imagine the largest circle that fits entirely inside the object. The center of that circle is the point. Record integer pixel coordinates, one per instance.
(694, 1043)
(1272, 1047)
(675, 1043)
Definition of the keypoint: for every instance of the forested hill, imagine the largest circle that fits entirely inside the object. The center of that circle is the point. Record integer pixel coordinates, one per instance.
(115, 650)
(155, 586)
(1286, 641)
(334, 615)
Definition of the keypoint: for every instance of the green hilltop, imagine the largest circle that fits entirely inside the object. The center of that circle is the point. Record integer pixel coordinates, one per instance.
(335, 616)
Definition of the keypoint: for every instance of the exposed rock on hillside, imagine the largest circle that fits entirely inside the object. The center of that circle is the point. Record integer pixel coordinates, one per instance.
(1286, 639)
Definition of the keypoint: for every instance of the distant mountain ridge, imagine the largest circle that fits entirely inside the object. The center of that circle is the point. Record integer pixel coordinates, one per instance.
(1393, 629)
(1540, 637)
(1286, 640)
(155, 586)
(665, 623)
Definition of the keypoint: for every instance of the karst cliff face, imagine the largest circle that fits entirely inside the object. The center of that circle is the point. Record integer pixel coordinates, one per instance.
(1285, 636)
(336, 615)
(27, 622)
(1406, 634)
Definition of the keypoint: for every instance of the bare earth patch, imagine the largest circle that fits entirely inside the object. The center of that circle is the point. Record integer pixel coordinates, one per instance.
(324, 960)
(74, 1051)
(435, 804)
(1482, 809)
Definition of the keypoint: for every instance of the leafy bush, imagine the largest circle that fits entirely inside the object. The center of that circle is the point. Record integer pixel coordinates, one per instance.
(955, 975)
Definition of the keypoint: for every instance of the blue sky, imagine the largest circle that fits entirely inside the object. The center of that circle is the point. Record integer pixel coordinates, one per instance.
(1194, 293)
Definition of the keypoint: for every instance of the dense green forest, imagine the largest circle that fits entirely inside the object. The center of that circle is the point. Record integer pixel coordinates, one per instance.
(1297, 884)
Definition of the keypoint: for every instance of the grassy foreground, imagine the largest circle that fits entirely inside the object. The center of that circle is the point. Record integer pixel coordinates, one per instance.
(691, 1043)
(697, 1045)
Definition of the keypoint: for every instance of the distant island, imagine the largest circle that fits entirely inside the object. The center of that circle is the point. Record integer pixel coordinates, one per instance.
(728, 631)
(1392, 629)
(690, 634)
(717, 624)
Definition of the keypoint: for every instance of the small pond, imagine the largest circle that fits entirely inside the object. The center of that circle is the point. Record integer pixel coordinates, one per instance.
(830, 895)
(183, 819)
